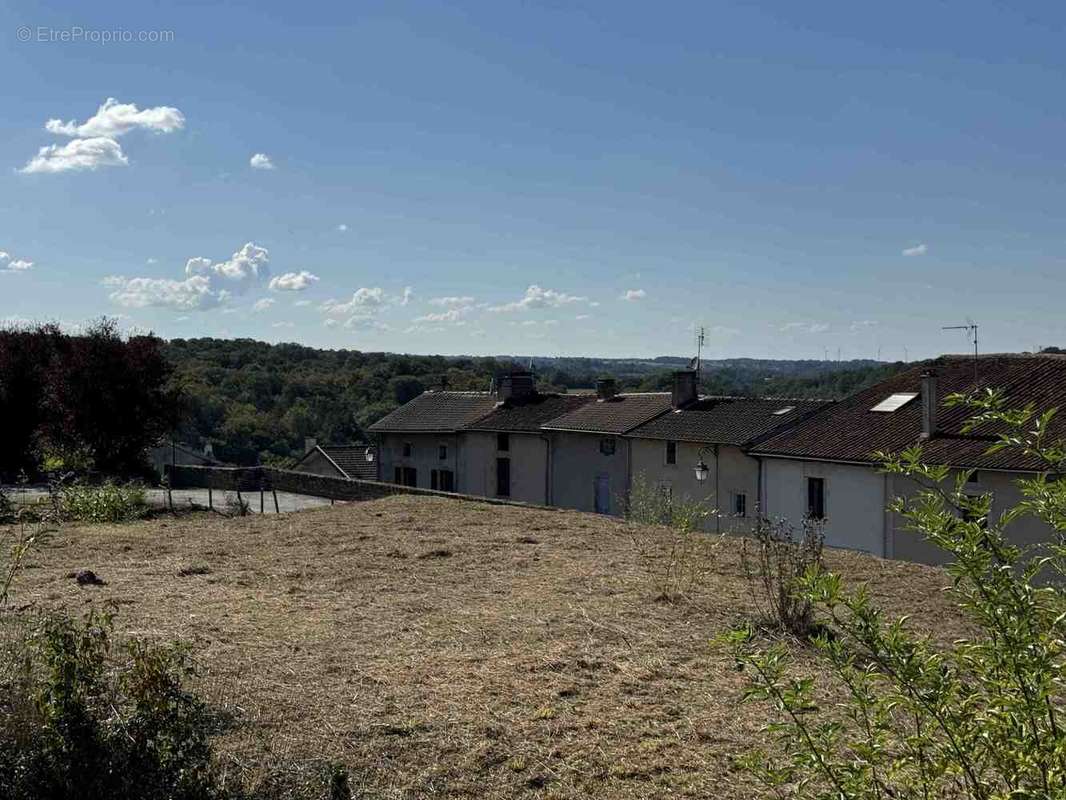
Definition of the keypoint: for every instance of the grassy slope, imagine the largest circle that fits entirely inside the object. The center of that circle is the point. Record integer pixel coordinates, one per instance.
(532, 659)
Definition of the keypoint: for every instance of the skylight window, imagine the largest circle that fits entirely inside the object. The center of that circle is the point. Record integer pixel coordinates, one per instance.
(894, 402)
(782, 411)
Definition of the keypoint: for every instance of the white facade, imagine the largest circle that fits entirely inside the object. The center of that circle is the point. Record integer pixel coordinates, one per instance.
(527, 457)
(425, 454)
(855, 500)
(732, 485)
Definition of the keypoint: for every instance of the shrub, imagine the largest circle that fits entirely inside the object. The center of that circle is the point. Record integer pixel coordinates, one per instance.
(7, 508)
(980, 718)
(775, 561)
(78, 725)
(673, 549)
(108, 502)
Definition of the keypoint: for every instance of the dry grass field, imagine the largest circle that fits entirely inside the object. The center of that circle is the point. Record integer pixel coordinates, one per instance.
(450, 649)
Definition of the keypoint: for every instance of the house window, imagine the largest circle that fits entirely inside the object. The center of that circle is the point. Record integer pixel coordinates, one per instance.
(442, 480)
(671, 452)
(405, 476)
(503, 442)
(447, 480)
(740, 504)
(406, 449)
(607, 446)
(503, 477)
(975, 477)
(816, 498)
(442, 451)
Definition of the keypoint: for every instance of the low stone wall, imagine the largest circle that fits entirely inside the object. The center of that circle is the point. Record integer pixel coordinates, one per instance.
(251, 479)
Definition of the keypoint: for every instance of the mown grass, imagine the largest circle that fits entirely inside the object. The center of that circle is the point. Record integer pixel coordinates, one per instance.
(532, 659)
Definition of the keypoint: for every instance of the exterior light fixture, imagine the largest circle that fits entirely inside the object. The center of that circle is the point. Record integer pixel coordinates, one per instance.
(369, 455)
(701, 471)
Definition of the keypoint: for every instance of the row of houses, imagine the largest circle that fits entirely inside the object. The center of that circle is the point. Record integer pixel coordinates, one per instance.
(786, 458)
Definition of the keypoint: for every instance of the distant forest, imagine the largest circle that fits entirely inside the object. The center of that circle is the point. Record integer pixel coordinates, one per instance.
(257, 402)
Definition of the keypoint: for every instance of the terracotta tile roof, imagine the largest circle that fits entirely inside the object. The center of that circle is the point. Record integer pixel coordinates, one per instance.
(351, 459)
(442, 411)
(529, 413)
(727, 420)
(850, 431)
(617, 415)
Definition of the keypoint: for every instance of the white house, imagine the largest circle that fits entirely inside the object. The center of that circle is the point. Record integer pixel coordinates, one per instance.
(824, 467)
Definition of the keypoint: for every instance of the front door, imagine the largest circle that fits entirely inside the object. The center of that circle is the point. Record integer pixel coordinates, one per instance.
(603, 494)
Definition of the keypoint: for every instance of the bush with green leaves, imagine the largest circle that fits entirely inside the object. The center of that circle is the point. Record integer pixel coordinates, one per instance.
(980, 718)
(107, 502)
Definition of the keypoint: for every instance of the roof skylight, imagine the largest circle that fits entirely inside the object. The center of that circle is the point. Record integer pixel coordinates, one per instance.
(894, 402)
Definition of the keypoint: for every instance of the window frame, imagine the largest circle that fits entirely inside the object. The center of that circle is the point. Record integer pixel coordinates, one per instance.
(740, 504)
(442, 451)
(821, 498)
(500, 461)
(670, 454)
(406, 450)
(503, 442)
(608, 445)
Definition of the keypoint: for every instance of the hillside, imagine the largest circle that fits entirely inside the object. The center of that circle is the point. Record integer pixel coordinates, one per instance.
(257, 402)
(454, 649)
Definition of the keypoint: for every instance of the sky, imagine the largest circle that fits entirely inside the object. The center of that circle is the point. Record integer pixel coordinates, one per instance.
(551, 178)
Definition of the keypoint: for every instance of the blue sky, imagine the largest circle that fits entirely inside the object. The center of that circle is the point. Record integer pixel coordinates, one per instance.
(550, 178)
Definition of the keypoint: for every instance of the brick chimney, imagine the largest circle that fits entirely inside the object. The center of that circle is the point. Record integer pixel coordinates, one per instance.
(310, 443)
(929, 404)
(516, 385)
(686, 388)
(606, 388)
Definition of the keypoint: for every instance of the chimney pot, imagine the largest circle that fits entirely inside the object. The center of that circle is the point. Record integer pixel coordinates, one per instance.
(516, 385)
(686, 388)
(929, 403)
(606, 388)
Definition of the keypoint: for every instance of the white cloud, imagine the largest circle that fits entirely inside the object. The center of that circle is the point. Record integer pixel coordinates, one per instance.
(114, 119)
(408, 294)
(447, 302)
(247, 267)
(365, 324)
(632, 295)
(207, 284)
(365, 302)
(917, 250)
(342, 227)
(192, 294)
(454, 315)
(536, 297)
(261, 161)
(283, 325)
(150, 261)
(80, 154)
(9, 263)
(804, 327)
(264, 304)
(580, 317)
(862, 324)
(293, 281)
(302, 303)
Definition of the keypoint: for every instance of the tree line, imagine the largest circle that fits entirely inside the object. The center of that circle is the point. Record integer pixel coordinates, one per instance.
(96, 400)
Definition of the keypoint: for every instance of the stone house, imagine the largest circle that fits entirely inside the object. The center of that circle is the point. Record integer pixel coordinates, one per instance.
(352, 461)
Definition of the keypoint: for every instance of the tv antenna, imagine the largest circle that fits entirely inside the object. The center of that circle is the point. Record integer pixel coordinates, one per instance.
(971, 330)
(701, 336)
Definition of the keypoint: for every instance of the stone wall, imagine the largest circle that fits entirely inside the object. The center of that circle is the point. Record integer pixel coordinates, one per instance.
(250, 479)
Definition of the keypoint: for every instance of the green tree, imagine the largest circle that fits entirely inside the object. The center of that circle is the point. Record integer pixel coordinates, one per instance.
(981, 718)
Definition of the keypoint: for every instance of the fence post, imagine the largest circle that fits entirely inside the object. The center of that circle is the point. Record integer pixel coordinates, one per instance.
(210, 499)
(260, 492)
